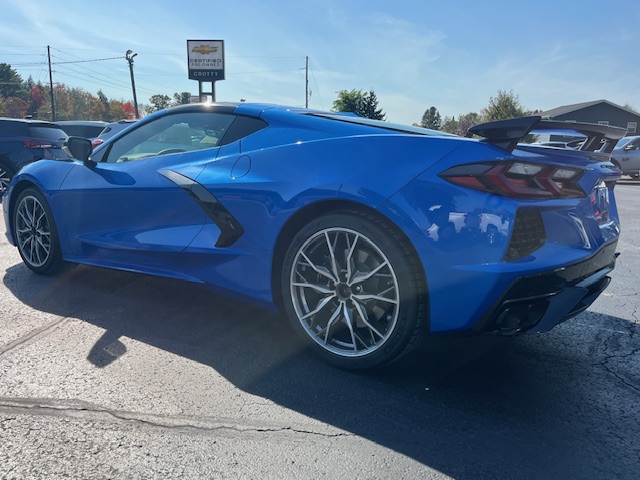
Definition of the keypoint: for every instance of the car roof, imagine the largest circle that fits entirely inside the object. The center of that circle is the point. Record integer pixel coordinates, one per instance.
(87, 123)
(26, 120)
(258, 109)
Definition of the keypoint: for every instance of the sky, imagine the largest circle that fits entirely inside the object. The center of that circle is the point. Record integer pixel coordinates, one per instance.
(414, 54)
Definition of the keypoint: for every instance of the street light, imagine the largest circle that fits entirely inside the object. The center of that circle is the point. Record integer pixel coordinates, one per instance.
(129, 58)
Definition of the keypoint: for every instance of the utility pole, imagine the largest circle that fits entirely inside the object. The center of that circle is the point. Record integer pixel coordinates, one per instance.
(129, 58)
(306, 83)
(53, 104)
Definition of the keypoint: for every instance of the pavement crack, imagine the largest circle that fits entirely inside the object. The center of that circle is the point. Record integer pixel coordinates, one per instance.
(33, 335)
(610, 357)
(85, 411)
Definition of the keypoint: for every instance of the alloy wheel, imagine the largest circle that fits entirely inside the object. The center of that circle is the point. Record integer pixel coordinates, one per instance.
(5, 178)
(344, 292)
(33, 231)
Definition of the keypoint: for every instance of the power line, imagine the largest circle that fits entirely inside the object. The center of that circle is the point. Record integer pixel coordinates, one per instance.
(101, 81)
(31, 64)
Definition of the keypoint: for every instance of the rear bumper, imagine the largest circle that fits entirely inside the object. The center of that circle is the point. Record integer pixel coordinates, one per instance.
(537, 303)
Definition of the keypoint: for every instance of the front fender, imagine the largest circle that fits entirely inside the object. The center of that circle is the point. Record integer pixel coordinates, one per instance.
(46, 175)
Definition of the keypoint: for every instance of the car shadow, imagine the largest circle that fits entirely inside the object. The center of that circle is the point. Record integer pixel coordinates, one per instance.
(481, 407)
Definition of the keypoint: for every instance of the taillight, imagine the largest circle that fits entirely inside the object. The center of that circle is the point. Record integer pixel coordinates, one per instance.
(36, 144)
(95, 142)
(518, 179)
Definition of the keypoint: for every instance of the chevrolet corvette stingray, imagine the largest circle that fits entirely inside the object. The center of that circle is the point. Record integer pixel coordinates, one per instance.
(369, 236)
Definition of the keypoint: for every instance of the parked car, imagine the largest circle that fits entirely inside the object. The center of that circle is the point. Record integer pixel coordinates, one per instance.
(81, 128)
(626, 155)
(110, 130)
(559, 144)
(25, 141)
(369, 236)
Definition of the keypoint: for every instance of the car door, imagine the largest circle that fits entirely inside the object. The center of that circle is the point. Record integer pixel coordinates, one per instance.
(123, 211)
(630, 158)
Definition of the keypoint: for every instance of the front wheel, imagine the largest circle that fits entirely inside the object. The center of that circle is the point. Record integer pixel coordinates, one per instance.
(36, 233)
(6, 174)
(354, 290)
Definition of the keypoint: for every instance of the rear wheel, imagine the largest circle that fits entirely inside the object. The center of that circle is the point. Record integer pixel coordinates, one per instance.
(36, 233)
(354, 290)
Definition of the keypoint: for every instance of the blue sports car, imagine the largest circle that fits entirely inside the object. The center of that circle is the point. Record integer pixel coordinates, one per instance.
(370, 236)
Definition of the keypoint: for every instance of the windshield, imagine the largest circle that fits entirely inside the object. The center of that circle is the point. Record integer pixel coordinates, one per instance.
(622, 142)
(176, 133)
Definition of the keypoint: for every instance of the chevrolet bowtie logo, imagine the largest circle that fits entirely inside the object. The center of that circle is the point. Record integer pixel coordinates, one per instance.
(204, 49)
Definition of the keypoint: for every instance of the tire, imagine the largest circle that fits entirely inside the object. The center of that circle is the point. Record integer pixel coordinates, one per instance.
(354, 290)
(6, 174)
(36, 233)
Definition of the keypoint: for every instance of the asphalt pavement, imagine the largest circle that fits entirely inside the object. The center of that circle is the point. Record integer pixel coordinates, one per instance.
(107, 374)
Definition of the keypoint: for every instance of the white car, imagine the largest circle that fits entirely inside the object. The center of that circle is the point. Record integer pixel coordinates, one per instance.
(110, 130)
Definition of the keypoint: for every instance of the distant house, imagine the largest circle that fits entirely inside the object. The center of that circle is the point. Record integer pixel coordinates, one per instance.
(601, 112)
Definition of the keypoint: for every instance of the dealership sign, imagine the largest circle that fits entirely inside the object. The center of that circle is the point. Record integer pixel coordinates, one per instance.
(206, 60)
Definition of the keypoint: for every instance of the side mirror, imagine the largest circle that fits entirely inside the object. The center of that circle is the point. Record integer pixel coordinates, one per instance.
(78, 147)
(629, 146)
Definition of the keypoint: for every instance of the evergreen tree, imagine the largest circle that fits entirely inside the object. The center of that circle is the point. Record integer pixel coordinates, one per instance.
(364, 104)
(11, 83)
(369, 107)
(431, 119)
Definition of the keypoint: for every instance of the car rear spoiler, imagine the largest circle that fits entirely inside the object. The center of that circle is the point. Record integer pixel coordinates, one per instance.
(507, 133)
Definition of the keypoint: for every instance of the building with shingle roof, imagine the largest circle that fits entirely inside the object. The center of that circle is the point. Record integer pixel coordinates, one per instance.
(601, 112)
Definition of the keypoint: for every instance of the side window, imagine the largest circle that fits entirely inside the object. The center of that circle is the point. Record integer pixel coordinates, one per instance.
(173, 133)
(241, 128)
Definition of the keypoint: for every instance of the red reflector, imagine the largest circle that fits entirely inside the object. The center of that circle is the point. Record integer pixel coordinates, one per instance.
(36, 144)
(467, 181)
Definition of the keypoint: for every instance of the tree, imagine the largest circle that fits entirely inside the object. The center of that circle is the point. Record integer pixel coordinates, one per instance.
(466, 121)
(36, 100)
(129, 109)
(158, 102)
(462, 125)
(182, 98)
(364, 104)
(449, 125)
(348, 101)
(431, 119)
(11, 83)
(14, 107)
(105, 106)
(116, 110)
(504, 105)
(370, 107)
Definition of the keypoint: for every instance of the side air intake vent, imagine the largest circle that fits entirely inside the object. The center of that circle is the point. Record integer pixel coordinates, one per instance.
(528, 235)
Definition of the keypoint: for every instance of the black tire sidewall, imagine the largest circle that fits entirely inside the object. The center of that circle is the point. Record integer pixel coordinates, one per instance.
(408, 316)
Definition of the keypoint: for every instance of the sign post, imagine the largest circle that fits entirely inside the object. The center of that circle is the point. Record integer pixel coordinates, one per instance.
(206, 63)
